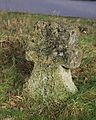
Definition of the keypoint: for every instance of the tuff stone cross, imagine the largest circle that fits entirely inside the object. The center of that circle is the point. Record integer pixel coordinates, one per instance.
(54, 50)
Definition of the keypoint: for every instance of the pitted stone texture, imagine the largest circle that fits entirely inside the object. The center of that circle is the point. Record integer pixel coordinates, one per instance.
(57, 41)
(53, 48)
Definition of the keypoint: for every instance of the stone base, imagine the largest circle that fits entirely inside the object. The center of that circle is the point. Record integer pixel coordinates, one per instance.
(50, 82)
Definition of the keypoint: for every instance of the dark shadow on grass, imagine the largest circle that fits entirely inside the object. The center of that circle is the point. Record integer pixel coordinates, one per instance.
(13, 58)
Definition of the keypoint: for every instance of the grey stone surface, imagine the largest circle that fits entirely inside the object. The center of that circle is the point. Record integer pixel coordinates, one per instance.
(53, 49)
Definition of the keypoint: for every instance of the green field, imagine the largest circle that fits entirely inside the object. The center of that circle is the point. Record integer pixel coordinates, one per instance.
(17, 28)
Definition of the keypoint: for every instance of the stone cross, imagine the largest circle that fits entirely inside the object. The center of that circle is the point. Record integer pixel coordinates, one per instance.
(54, 50)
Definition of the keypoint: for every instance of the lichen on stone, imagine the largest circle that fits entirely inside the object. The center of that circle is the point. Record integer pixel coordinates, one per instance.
(56, 40)
(53, 48)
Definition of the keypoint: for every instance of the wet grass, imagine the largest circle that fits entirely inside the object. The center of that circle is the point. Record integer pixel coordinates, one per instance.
(14, 69)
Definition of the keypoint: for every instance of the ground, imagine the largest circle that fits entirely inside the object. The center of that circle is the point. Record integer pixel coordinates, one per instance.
(14, 68)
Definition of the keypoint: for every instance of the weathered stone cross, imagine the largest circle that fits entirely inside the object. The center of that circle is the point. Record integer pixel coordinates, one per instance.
(54, 50)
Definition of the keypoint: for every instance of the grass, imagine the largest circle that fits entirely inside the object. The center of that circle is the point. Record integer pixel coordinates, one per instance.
(14, 68)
